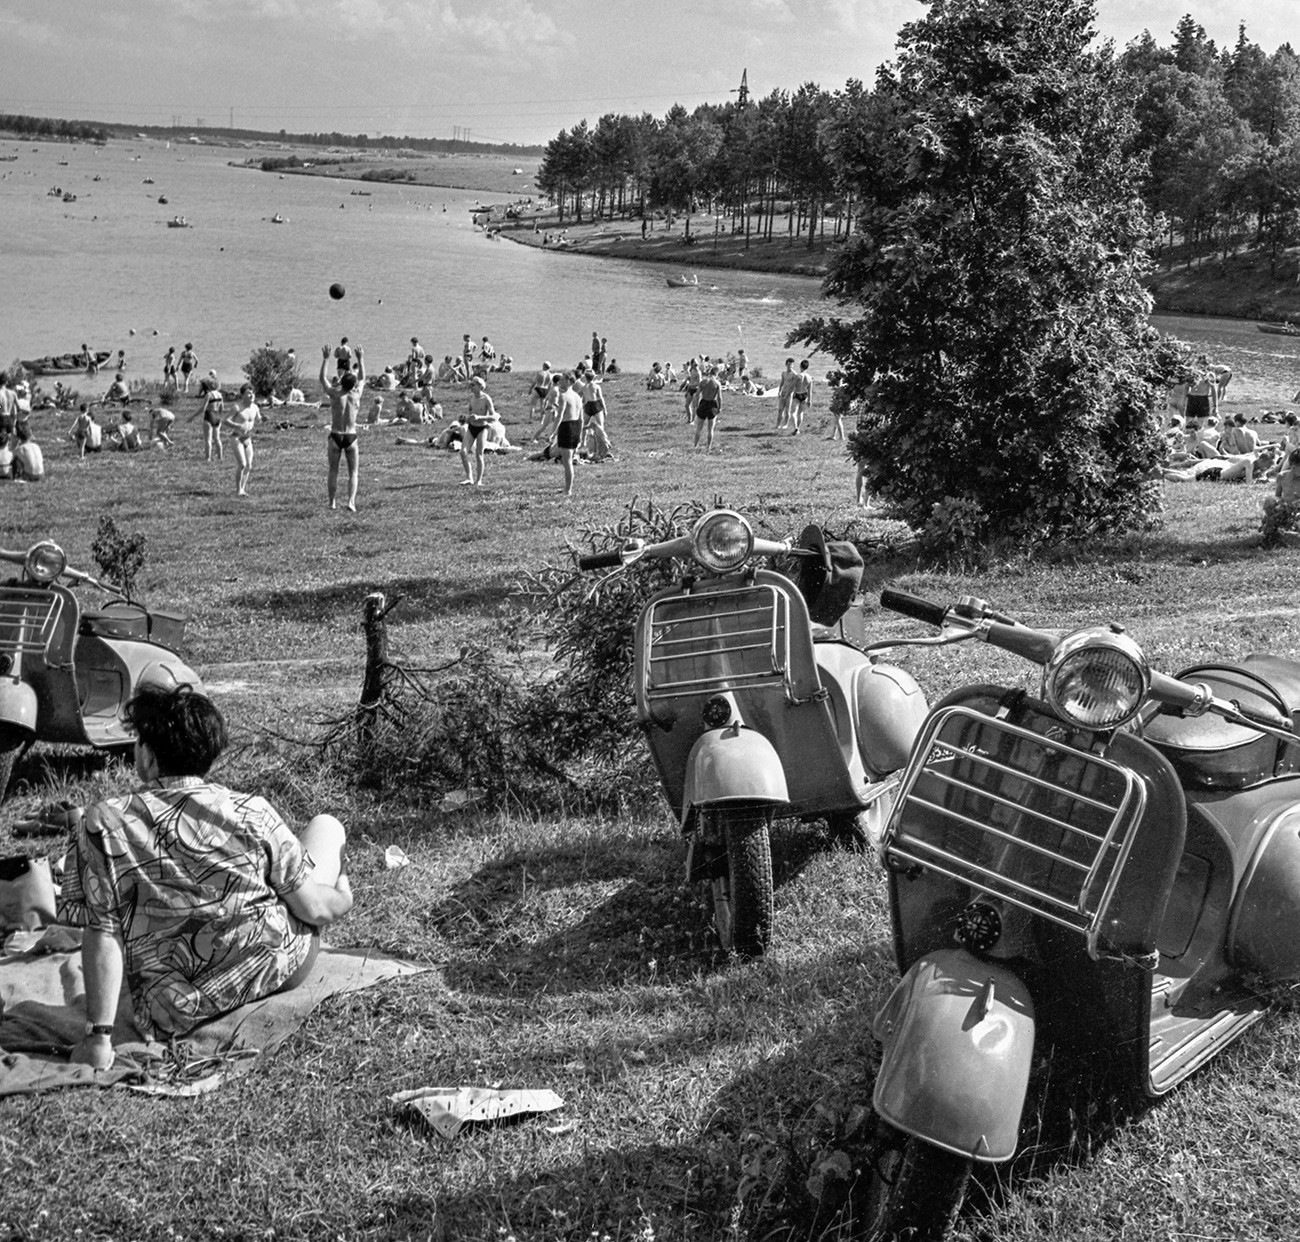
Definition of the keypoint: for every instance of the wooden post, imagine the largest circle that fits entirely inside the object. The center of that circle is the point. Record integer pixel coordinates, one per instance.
(372, 683)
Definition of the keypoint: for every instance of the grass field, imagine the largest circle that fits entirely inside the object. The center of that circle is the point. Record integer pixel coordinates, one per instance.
(700, 1094)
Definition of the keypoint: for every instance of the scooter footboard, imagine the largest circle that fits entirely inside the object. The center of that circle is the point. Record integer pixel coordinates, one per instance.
(958, 1036)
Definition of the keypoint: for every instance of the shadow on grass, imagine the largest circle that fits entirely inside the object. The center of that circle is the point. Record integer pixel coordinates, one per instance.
(641, 921)
(422, 599)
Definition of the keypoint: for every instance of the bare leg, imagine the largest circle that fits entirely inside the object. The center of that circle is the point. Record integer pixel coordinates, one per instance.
(477, 464)
(566, 460)
(333, 450)
(216, 442)
(354, 464)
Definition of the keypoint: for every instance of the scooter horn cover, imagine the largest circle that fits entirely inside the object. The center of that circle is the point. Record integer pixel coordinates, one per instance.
(829, 579)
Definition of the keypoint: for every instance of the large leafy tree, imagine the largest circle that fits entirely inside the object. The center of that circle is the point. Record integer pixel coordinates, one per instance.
(1003, 369)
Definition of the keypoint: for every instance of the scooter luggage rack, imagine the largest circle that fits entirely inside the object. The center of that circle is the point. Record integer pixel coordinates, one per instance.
(717, 640)
(1021, 817)
(27, 620)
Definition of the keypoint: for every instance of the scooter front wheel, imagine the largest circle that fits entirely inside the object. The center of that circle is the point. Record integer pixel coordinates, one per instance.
(743, 905)
(914, 1189)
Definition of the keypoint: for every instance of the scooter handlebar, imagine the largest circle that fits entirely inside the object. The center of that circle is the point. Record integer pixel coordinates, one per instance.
(913, 606)
(600, 560)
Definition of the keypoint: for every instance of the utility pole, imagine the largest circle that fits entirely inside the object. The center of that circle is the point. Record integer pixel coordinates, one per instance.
(742, 92)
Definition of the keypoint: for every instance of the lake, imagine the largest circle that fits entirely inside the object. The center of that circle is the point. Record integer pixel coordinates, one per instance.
(412, 263)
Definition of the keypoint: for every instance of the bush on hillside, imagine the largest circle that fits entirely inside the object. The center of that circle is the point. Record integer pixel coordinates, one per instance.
(272, 372)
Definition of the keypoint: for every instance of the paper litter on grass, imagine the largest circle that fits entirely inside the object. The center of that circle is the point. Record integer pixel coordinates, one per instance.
(449, 1109)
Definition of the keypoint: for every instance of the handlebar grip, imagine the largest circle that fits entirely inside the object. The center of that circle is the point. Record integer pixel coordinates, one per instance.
(600, 560)
(913, 606)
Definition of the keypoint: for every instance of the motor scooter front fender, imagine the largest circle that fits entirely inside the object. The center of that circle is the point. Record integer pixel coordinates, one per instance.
(17, 703)
(732, 764)
(958, 1036)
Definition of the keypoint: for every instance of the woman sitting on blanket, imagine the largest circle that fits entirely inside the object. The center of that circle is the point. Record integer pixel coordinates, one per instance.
(202, 897)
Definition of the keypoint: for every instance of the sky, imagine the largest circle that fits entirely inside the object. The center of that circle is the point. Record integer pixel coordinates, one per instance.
(489, 70)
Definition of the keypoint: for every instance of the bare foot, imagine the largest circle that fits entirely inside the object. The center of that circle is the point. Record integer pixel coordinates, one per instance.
(351, 507)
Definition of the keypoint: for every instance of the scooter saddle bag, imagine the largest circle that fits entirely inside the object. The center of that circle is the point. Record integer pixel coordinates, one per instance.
(1209, 752)
(136, 624)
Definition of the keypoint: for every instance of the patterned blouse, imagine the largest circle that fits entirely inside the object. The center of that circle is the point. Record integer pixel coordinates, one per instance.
(189, 876)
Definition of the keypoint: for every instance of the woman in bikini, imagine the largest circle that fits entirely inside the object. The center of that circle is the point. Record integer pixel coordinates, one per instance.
(241, 424)
(211, 413)
(481, 414)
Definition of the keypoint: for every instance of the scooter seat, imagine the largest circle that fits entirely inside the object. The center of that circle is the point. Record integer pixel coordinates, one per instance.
(137, 624)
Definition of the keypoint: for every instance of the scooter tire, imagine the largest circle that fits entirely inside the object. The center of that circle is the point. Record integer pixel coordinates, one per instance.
(914, 1191)
(743, 904)
(13, 741)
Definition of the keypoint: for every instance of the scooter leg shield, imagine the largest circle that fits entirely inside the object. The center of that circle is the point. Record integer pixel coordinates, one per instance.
(733, 764)
(17, 703)
(958, 1036)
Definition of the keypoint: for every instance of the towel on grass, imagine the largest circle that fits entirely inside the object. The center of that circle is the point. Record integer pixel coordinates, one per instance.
(43, 1014)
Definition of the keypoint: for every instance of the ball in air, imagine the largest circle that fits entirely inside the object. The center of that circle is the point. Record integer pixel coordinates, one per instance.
(336, 291)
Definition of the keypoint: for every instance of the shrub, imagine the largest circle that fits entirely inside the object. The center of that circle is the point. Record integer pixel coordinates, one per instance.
(272, 372)
(119, 557)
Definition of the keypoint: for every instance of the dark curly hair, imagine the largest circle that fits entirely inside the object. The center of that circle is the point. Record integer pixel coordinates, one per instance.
(182, 726)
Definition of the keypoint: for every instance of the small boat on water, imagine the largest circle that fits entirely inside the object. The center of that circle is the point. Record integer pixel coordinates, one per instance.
(1279, 329)
(680, 282)
(162, 198)
(69, 198)
(178, 222)
(147, 180)
(278, 219)
(59, 364)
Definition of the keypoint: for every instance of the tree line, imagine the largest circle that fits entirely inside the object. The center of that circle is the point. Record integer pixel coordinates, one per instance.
(51, 127)
(1217, 133)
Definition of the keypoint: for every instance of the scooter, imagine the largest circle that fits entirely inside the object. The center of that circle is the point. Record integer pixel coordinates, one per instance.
(1109, 867)
(750, 709)
(67, 673)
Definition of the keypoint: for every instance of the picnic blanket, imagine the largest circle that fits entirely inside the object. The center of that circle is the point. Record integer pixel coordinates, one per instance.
(43, 1013)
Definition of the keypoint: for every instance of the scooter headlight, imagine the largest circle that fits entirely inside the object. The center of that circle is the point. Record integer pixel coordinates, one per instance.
(723, 541)
(1096, 679)
(44, 562)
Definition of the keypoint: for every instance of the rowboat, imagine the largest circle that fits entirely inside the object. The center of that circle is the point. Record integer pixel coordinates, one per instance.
(178, 222)
(57, 364)
(680, 282)
(1279, 329)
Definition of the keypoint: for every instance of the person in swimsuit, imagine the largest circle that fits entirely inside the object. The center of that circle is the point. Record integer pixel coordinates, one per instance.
(160, 424)
(550, 411)
(189, 360)
(344, 395)
(86, 433)
(594, 410)
(692, 388)
(801, 397)
(707, 409)
(1203, 394)
(241, 423)
(785, 395)
(480, 416)
(169, 367)
(210, 411)
(541, 386)
(118, 390)
(569, 431)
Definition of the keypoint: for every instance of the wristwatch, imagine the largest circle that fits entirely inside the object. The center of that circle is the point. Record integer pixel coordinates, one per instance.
(99, 1028)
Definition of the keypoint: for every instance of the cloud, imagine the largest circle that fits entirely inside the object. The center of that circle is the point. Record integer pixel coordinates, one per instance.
(15, 29)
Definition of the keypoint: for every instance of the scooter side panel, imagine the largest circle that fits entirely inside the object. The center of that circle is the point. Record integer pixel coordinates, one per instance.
(958, 1036)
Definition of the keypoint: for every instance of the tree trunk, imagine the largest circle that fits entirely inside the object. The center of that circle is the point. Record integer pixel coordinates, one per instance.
(372, 682)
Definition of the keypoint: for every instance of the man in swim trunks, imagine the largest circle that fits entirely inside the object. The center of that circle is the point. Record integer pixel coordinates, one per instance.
(344, 395)
(594, 410)
(550, 423)
(467, 356)
(785, 395)
(118, 390)
(1203, 393)
(801, 397)
(343, 356)
(569, 431)
(480, 416)
(8, 406)
(241, 423)
(189, 361)
(169, 367)
(541, 386)
(707, 409)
